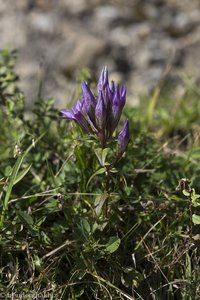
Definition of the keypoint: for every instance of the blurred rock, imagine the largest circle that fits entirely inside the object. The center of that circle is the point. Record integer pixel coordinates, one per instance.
(180, 24)
(44, 23)
(143, 82)
(108, 16)
(75, 8)
(86, 51)
(135, 39)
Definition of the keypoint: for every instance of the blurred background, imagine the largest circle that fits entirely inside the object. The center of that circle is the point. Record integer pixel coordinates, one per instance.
(143, 43)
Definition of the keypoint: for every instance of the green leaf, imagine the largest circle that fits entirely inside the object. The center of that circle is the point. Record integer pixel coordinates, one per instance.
(195, 198)
(196, 219)
(186, 193)
(196, 202)
(104, 155)
(98, 172)
(38, 263)
(101, 155)
(27, 221)
(8, 171)
(175, 198)
(85, 226)
(98, 153)
(25, 218)
(95, 226)
(79, 291)
(99, 202)
(113, 170)
(21, 174)
(113, 244)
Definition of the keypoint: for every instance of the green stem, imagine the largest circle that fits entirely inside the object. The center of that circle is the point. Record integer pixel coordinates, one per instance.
(190, 216)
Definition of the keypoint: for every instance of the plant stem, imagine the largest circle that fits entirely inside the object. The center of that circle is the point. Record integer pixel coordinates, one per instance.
(107, 191)
(190, 216)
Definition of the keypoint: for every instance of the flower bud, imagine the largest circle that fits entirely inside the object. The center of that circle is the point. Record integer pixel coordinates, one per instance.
(123, 138)
(103, 80)
(100, 112)
(89, 101)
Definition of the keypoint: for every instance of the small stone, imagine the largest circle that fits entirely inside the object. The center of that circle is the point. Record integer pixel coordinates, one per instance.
(43, 22)
(86, 51)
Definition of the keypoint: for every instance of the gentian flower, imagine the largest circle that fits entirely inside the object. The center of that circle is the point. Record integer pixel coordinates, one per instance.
(99, 115)
(103, 79)
(123, 138)
(118, 103)
(76, 114)
(88, 100)
(100, 112)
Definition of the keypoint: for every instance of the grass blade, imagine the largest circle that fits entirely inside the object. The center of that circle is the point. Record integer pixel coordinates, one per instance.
(14, 179)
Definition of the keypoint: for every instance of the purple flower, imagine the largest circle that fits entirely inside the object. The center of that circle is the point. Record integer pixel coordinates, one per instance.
(100, 112)
(123, 138)
(118, 103)
(99, 115)
(88, 100)
(103, 79)
(76, 114)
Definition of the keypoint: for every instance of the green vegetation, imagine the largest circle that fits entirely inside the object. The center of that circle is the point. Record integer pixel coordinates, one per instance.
(64, 233)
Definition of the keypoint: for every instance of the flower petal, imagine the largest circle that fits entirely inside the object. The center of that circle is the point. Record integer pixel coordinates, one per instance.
(123, 96)
(69, 114)
(100, 112)
(82, 122)
(103, 79)
(88, 97)
(124, 137)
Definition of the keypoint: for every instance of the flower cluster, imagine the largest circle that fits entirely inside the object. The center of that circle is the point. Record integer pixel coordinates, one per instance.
(100, 115)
